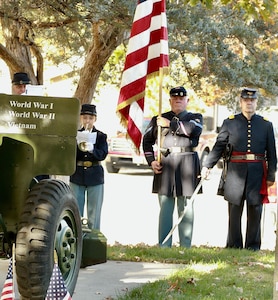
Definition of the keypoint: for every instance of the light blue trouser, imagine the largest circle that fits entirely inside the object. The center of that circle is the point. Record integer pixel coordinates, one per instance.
(185, 227)
(94, 196)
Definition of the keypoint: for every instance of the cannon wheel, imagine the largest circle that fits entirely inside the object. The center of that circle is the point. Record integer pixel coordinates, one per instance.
(50, 221)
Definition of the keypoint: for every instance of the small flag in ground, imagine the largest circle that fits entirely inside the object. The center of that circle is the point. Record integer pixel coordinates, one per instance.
(147, 56)
(8, 289)
(57, 289)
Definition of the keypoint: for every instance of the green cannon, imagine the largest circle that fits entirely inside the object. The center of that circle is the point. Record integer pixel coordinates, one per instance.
(39, 219)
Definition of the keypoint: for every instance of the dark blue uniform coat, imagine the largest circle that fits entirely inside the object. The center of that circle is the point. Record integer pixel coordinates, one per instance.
(92, 175)
(254, 136)
(180, 170)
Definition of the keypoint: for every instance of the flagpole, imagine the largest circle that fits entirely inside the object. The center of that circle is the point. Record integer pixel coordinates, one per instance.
(13, 255)
(13, 266)
(159, 115)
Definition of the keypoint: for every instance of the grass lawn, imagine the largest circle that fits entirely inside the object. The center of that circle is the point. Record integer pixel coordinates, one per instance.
(208, 273)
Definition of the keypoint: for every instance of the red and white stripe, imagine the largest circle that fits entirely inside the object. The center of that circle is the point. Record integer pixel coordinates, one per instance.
(147, 54)
(8, 289)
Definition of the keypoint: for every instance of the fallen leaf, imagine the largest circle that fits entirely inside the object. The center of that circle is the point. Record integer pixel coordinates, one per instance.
(191, 281)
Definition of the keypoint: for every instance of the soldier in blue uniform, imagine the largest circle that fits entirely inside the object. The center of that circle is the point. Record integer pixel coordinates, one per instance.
(176, 175)
(250, 171)
(88, 179)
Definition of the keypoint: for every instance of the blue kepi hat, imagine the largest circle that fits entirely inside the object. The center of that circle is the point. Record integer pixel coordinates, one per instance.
(248, 93)
(88, 109)
(178, 91)
(21, 78)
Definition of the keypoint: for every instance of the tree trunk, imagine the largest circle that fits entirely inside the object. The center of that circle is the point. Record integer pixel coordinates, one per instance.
(17, 53)
(104, 43)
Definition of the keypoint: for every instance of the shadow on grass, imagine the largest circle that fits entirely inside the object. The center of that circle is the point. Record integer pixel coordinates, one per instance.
(208, 273)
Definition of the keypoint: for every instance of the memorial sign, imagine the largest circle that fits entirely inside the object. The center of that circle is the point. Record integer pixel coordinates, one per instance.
(48, 124)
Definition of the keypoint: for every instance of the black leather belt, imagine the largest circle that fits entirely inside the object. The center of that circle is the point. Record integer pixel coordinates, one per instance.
(179, 149)
(87, 163)
(247, 157)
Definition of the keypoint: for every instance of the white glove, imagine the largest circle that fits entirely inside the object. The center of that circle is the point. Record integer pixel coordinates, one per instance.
(88, 147)
(205, 172)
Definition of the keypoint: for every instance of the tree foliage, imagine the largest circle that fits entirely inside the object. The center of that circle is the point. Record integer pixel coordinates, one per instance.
(65, 28)
(254, 9)
(215, 52)
(218, 49)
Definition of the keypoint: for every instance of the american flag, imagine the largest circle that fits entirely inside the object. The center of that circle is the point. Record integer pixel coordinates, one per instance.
(8, 289)
(147, 54)
(57, 289)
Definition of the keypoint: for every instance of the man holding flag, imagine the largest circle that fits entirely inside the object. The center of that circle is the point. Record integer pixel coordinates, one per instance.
(177, 175)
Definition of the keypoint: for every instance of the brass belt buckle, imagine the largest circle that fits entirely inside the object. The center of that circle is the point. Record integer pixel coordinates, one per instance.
(87, 164)
(250, 156)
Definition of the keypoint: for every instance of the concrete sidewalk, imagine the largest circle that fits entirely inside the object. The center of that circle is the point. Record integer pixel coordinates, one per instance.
(108, 280)
(114, 278)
